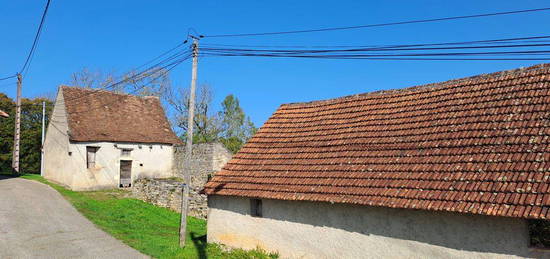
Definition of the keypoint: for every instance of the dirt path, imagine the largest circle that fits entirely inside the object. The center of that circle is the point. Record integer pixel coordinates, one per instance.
(37, 222)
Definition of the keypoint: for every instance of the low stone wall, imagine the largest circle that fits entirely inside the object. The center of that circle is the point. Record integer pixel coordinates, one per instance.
(167, 193)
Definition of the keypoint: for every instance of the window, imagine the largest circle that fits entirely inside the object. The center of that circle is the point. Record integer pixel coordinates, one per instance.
(90, 156)
(256, 208)
(539, 233)
(125, 152)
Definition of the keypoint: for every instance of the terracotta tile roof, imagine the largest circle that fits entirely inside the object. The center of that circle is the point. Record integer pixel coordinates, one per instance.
(476, 145)
(4, 114)
(100, 115)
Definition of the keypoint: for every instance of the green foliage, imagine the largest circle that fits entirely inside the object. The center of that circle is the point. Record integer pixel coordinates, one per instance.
(151, 230)
(230, 126)
(237, 128)
(31, 133)
(539, 231)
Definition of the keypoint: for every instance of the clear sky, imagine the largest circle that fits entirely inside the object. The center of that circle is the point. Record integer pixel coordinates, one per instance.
(118, 35)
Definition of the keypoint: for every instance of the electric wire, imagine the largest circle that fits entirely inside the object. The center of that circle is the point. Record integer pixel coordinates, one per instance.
(150, 70)
(167, 68)
(520, 48)
(378, 24)
(531, 39)
(24, 69)
(8, 77)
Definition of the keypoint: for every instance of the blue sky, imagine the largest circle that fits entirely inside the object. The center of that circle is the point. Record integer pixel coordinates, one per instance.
(118, 35)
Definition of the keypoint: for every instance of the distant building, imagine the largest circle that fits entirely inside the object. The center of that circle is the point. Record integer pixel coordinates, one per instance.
(4, 114)
(99, 139)
(446, 170)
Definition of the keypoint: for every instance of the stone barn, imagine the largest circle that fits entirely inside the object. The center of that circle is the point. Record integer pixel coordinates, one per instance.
(448, 170)
(99, 139)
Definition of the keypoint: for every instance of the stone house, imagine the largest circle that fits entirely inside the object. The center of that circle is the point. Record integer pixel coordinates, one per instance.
(99, 139)
(446, 170)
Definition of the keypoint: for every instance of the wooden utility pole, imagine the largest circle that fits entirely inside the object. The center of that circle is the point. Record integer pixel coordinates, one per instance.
(43, 130)
(189, 146)
(17, 135)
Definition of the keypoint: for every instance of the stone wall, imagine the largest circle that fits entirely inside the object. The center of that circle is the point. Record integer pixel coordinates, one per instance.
(160, 192)
(207, 159)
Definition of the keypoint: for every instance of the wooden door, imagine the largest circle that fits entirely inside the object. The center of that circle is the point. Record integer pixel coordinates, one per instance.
(125, 173)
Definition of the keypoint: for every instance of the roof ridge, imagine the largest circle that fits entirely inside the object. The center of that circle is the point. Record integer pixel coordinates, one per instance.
(515, 71)
(81, 88)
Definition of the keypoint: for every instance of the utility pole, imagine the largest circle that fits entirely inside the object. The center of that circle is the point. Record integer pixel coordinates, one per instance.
(42, 146)
(189, 145)
(17, 135)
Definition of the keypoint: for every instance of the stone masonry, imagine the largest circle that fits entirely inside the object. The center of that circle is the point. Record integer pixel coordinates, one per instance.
(207, 159)
(160, 192)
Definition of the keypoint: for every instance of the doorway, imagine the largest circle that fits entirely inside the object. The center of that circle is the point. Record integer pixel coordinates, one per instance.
(125, 173)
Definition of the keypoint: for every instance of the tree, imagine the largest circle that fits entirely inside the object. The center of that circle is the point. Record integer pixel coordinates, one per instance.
(207, 125)
(237, 128)
(31, 133)
(229, 126)
(155, 82)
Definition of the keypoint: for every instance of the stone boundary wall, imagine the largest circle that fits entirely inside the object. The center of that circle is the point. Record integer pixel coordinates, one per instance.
(167, 193)
(206, 160)
(160, 192)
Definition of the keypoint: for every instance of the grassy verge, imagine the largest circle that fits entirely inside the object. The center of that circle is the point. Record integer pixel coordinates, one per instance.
(151, 230)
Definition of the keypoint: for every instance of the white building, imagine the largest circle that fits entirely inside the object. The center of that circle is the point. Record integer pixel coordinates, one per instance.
(98, 139)
(457, 169)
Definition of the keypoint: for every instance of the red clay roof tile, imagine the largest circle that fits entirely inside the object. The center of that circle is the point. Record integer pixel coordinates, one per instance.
(476, 145)
(100, 115)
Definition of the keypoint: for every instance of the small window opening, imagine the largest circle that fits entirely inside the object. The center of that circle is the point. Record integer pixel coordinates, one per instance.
(539, 233)
(125, 152)
(256, 208)
(208, 177)
(90, 156)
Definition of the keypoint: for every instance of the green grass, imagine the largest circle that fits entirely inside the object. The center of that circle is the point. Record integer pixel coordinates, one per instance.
(145, 227)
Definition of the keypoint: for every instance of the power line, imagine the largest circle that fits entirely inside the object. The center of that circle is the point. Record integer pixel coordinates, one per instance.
(531, 39)
(36, 38)
(161, 55)
(378, 24)
(347, 54)
(513, 49)
(217, 50)
(8, 77)
(168, 68)
(384, 58)
(150, 70)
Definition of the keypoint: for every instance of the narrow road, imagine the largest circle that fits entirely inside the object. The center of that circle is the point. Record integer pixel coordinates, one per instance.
(37, 222)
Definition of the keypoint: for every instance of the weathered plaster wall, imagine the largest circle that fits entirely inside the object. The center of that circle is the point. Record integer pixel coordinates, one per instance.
(57, 164)
(323, 230)
(148, 161)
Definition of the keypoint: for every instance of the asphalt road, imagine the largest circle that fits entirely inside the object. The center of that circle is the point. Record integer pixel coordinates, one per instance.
(37, 222)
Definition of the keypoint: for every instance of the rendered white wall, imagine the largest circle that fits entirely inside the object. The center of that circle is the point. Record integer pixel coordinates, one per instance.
(58, 166)
(148, 161)
(323, 230)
